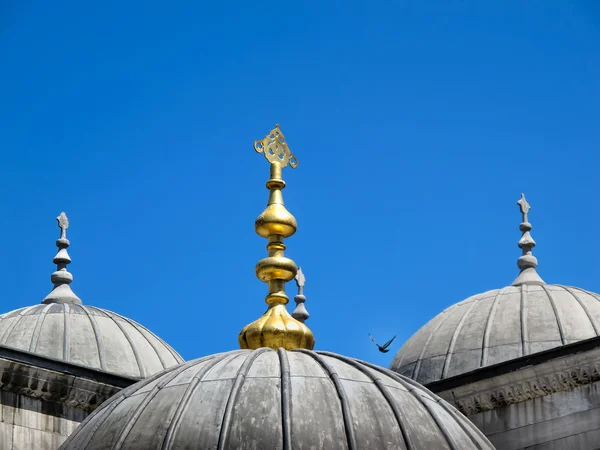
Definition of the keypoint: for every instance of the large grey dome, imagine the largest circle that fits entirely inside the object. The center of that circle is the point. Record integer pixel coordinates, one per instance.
(268, 399)
(89, 336)
(498, 326)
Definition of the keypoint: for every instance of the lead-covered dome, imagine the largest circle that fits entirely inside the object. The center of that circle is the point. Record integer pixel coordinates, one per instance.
(276, 399)
(63, 328)
(88, 336)
(500, 325)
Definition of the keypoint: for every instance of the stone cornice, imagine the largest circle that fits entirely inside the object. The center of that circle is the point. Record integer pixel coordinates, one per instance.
(525, 383)
(67, 384)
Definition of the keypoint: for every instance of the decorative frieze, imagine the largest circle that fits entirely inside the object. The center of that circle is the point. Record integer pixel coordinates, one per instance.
(561, 374)
(62, 388)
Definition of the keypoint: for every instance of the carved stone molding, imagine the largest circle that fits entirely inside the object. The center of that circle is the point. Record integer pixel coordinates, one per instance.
(66, 389)
(525, 384)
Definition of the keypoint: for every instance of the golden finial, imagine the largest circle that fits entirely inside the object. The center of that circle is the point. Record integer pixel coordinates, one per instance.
(276, 328)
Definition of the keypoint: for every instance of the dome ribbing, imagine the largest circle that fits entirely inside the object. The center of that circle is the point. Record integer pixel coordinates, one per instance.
(276, 399)
(498, 326)
(88, 336)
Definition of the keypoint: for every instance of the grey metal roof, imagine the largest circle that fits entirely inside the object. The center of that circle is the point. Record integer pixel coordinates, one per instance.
(498, 326)
(89, 336)
(276, 399)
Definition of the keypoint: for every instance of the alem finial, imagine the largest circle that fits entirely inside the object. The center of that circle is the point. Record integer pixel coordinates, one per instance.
(276, 328)
(300, 313)
(524, 206)
(526, 262)
(63, 224)
(275, 148)
(61, 278)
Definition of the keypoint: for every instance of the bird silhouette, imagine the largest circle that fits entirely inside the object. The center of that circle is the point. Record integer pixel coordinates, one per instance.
(383, 348)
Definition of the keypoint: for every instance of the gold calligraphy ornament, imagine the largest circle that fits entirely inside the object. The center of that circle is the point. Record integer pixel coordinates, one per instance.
(275, 148)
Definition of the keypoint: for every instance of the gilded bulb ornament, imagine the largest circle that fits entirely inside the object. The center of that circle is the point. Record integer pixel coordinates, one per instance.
(276, 328)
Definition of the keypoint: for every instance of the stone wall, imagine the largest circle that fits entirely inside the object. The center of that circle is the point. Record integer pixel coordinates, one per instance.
(43, 400)
(28, 423)
(560, 421)
(549, 401)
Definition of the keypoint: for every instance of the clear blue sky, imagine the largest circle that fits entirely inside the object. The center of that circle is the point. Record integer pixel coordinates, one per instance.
(417, 126)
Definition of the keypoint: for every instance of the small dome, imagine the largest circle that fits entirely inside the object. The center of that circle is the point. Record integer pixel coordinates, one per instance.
(276, 399)
(62, 328)
(87, 336)
(527, 317)
(498, 326)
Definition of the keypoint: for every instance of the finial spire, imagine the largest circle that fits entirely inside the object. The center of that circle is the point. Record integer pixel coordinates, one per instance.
(62, 292)
(276, 328)
(526, 262)
(300, 313)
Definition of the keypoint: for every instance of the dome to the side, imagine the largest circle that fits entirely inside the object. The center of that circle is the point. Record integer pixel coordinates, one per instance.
(88, 336)
(276, 399)
(498, 326)
(527, 317)
(64, 329)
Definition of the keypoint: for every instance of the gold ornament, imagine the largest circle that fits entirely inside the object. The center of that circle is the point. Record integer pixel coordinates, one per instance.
(276, 328)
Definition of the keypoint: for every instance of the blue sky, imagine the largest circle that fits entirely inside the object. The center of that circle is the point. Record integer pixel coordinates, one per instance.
(417, 125)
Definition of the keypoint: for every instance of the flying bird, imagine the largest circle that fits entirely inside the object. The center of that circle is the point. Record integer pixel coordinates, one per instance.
(383, 348)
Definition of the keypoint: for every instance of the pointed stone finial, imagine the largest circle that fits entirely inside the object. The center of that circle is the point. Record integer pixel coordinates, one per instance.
(526, 262)
(524, 206)
(300, 313)
(61, 279)
(63, 224)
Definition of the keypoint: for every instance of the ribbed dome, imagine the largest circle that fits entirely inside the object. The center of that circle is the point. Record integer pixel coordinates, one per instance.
(498, 326)
(88, 336)
(276, 399)
(62, 328)
(527, 317)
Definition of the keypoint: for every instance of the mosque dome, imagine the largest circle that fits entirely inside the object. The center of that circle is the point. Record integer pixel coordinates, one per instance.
(498, 326)
(527, 317)
(276, 399)
(276, 393)
(88, 336)
(64, 329)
